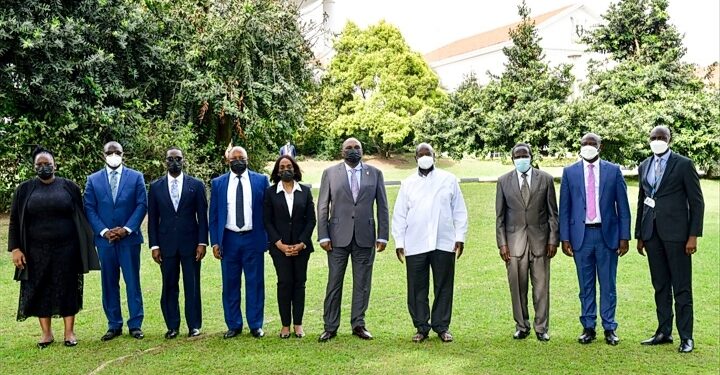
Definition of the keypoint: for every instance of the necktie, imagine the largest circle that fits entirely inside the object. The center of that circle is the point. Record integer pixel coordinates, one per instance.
(525, 190)
(174, 194)
(114, 184)
(239, 205)
(590, 192)
(354, 186)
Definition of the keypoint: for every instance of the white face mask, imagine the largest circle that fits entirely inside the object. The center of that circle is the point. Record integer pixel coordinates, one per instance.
(588, 152)
(113, 160)
(425, 162)
(658, 147)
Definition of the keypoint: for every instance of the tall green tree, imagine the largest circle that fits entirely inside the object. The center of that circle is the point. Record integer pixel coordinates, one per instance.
(378, 85)
(641, 84)
(523, 100)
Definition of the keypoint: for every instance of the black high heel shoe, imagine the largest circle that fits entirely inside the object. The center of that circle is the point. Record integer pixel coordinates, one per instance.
(43, 345)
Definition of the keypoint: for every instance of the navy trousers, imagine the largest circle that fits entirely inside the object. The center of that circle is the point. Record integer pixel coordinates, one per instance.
(594, 260)
(113, 260)
(241, 256)
(169, 305)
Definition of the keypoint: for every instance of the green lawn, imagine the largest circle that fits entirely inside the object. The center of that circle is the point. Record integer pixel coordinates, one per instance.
(482, 321)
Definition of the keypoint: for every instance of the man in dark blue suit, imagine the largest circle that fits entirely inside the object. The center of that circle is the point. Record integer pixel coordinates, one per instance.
(115, 204)
(178, 234)
(594, 230)
(239, 240)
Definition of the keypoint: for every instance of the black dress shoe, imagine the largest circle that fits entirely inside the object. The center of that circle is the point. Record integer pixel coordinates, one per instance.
(285, 335)
(520, 334)
(326, 336)
(257, 333)
(300, 334)
(70, 343)
(171, 334)
(137, 333)
(362, 333)
(686, 346)
(587, 336)
(658, 339)
(542, 336)
(420, 337)
(45, 344)
(194, 332)
(111, 334)
(232, 333)
(445, 336)
(611, 338)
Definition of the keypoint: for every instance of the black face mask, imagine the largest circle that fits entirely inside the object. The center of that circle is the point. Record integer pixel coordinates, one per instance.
(353, 156)
(287, 175)
(45, 172)
(238, 166)
(174, 167)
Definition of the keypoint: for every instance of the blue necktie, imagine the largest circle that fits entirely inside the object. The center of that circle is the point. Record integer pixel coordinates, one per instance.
(114, 184)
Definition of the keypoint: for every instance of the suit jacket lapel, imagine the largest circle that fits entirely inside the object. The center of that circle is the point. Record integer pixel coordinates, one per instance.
(222, 197)
(515, 187)
(123, 182)
(643, 171)
(364, 180)
(534, 184)
(298, 196)
(668, 169)
(281, 197)
(165, 193)
(580, 169)
(183, 193)
(106, 183)
(343, 173)
(604, 171)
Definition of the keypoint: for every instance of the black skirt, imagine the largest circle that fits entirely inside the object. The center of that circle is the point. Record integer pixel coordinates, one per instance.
(55, 281)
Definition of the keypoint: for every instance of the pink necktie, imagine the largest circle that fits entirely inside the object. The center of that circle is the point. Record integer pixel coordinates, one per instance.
(590, 191)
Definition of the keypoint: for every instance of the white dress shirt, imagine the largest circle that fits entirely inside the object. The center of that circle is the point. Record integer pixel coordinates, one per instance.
(119, 175)
(231, 223)
(596, 170)
(429, 213)
(528, 176)
(289, 197)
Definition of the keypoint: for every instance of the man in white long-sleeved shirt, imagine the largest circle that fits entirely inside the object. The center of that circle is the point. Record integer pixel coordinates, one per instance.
(429, 225)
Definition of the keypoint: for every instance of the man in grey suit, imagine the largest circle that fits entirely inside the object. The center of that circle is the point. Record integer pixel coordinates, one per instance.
(526, 230)
(346, 229)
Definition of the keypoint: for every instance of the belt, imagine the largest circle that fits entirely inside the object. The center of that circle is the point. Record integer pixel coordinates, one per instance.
(240, 233)
(593, 225)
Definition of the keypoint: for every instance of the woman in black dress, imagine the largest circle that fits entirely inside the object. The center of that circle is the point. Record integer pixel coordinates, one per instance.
(289, 217)
(51, 244)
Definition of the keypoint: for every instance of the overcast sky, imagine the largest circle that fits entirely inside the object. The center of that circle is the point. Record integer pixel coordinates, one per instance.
(428, 24)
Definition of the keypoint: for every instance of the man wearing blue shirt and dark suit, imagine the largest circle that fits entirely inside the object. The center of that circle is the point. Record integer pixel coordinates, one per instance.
(594, 230)
(115, 205)
(178, 236)
(669, 221)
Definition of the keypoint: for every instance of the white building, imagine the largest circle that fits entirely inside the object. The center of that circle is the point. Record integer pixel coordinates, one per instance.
(560, 31)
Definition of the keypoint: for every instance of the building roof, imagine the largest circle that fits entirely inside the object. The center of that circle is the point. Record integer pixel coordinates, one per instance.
(484, 39)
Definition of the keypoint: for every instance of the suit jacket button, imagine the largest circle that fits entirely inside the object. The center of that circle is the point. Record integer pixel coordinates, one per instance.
(353, 217)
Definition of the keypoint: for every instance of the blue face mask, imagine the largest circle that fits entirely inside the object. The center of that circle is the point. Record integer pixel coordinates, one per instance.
(522, 165)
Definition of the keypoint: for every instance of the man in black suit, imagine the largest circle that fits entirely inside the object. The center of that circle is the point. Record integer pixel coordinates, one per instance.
(669, 221)
(178, 229)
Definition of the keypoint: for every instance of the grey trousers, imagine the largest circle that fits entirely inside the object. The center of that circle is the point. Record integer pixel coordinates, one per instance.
(442, 264)
(538, 268)
(362, 265)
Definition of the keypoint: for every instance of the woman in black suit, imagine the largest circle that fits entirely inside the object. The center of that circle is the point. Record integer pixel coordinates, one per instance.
(52, 247)
(289, 216)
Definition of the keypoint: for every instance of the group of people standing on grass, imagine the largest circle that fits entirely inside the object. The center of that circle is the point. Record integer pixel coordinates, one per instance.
(57, 235)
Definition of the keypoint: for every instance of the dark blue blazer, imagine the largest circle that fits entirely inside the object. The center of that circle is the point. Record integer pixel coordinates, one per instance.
(614, 207)
(177, 232)
(218, 210)
(128, 210)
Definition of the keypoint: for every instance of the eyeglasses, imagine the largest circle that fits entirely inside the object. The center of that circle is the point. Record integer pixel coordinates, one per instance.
(174, 158)
(118, 153)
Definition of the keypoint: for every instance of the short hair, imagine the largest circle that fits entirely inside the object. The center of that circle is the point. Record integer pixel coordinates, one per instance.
(42, 151)
(296, 169)
(233, 149)
(518, 145)
(426, 145)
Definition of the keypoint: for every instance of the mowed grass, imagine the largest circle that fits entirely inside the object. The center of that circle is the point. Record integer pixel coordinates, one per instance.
(482, 321)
